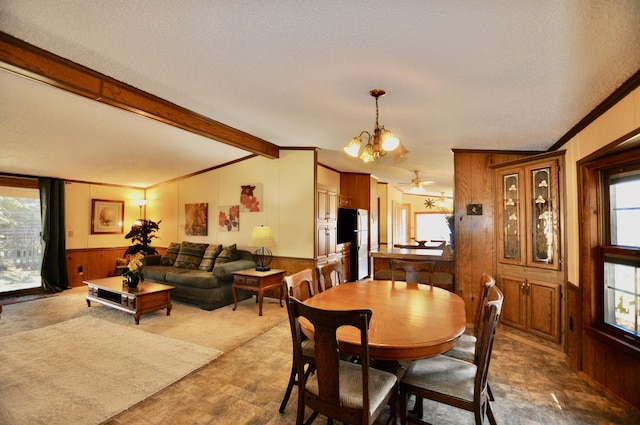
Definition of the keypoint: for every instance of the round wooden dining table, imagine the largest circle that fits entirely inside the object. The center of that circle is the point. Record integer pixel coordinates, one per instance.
(410, 321)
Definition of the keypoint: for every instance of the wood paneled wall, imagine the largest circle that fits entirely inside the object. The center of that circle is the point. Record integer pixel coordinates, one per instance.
(93, 263)
(292, 265)
(474, 236)
(574, 326)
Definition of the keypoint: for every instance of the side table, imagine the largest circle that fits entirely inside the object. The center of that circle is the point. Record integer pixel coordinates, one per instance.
(259, 282)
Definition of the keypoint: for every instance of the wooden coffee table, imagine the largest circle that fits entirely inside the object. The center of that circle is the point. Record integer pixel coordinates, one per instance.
(259, 282)
(146, 298)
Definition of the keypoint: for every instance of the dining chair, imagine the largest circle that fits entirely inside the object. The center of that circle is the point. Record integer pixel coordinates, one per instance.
(455, 382)
(414, 271)
(330, 274)
(299, 285)
(343, 391)
(465, 348)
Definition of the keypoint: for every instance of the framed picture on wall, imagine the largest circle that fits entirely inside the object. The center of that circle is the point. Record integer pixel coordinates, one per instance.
(196, 218)
(107, 216)
(251, 197)
(229, 218)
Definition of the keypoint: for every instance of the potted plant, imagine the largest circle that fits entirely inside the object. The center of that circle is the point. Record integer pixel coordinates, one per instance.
(141, 234)
(134, 273)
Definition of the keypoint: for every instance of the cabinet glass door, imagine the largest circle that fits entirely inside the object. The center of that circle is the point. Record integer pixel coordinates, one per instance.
(542, 217)
(511, 216)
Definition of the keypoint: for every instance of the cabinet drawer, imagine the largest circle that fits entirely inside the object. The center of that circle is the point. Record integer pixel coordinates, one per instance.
(247, 280)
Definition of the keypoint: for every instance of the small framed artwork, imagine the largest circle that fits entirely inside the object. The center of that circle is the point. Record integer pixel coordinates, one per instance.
(251, 197)
(196, 219)
(229, 218)
(474, 209)
(107, 216)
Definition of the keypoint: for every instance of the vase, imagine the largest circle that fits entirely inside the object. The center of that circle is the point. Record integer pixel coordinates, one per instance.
(132, 281)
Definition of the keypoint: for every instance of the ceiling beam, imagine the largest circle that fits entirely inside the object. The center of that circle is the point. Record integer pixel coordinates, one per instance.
(32, 62)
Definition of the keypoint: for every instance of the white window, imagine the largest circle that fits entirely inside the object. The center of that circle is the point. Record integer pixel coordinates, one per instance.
(622, 292)
(620, 257)
(432, 227)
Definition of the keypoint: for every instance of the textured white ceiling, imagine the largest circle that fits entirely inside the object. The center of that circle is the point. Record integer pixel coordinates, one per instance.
(458, 74)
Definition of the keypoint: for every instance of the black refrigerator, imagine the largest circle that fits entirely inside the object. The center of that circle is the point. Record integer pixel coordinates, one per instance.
(353, 226)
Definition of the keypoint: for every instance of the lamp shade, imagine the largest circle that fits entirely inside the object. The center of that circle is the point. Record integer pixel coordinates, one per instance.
(389, 141)
(400, 151)
(353, 147)
(262, 236)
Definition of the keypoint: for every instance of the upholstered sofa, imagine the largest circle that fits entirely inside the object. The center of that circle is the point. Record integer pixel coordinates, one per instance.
(201, 273)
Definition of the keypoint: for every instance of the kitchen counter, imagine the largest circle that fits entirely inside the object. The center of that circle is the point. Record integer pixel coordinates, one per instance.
(443, 258)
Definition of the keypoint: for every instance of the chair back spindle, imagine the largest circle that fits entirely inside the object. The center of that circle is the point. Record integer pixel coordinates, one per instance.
(329, 275)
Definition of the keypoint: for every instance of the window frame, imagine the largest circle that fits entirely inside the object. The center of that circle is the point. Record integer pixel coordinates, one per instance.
(594, 236)
(631, 255)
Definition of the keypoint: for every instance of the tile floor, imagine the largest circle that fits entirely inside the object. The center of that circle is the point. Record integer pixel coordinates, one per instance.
(532, 385)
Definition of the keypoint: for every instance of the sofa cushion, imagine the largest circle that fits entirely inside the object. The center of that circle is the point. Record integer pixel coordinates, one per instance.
(190, 255)
(170, 255)
(209, 257)
(225, 271)
(155, 273)
(191, 278)
(228, 254)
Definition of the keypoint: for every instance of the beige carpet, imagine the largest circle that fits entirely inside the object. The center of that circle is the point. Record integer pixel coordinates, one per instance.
(85, 370)
(223, 329)
(31, 391)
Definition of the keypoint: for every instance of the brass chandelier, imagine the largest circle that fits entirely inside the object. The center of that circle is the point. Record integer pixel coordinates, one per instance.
(378, 144)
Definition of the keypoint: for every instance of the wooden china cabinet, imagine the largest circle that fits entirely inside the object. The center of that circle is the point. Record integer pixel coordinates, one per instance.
(529, 250)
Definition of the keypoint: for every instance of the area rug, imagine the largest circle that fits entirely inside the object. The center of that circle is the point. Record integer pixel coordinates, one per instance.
(85, 370)
(223, 328)
(24, 298)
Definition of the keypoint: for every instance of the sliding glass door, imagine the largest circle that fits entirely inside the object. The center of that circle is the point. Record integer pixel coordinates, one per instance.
(20, 235)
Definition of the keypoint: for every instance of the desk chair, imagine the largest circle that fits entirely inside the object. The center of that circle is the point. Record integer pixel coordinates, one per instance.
(414, 271)
(299, 285)
(342, 391)
(456, 382)
(330, 274)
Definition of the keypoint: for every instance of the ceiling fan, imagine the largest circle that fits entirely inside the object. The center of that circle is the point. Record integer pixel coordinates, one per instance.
(416, 184)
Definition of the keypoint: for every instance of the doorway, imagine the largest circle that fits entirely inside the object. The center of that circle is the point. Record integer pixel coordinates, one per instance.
(20, 235)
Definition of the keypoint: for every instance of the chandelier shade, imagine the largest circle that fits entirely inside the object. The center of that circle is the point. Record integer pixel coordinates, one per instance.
(378, 144)
(353, 148)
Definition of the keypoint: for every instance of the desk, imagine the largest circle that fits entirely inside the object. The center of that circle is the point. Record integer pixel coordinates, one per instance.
(410, 321)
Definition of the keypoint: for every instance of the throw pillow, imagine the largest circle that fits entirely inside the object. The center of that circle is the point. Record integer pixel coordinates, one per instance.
(228, 254)
(190, 255)
(170, 255)
(209, 257)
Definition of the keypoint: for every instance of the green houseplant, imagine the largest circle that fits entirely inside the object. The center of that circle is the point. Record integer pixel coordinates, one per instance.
(142, 234)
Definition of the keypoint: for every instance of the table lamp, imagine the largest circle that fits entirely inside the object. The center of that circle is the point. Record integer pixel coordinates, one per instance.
(262, 238)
